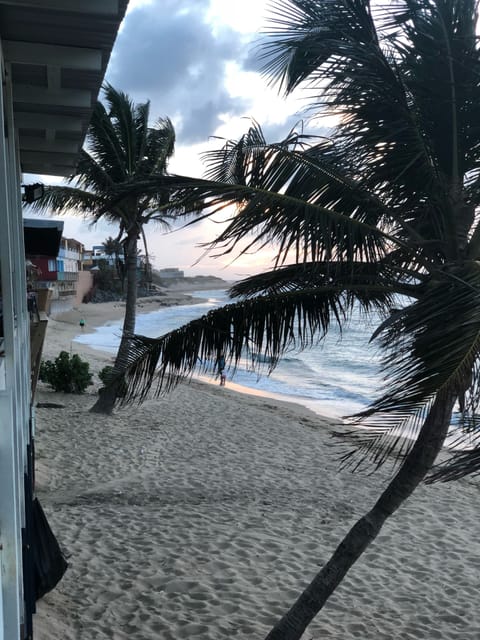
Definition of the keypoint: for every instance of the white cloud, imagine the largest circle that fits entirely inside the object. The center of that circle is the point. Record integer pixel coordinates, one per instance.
(246, 16)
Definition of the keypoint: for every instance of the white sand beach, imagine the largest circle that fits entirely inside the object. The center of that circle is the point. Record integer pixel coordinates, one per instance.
(203, 514)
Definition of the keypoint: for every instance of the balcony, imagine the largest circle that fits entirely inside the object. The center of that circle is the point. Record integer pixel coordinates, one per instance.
(67, 276)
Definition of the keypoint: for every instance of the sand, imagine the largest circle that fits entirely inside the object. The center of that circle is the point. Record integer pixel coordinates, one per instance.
(204, 513)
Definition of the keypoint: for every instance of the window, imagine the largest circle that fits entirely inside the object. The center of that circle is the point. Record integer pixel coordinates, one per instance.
(52, 265)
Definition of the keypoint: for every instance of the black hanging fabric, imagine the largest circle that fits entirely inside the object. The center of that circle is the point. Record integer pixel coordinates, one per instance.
(27, 551)
(49, 564)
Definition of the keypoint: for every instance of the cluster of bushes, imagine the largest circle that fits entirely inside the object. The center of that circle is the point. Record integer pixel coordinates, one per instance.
(66, 373)
(70, 374)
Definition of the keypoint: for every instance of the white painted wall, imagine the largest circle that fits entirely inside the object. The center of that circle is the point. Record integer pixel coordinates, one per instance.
(15, 392)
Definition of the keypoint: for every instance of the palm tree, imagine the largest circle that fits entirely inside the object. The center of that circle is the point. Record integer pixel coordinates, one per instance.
(113, 247)
(386, 207)
(122, 150)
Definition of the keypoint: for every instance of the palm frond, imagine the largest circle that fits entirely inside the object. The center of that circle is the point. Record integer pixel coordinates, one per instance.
(404, 80)
(141, 115)
(276, 187)
(305, 34)
(104, 145)
(299, 227)
(460, 464)
(227, 164)
(333, 46)
(435, 340)
(464, 438)
(381, 439)
(91, 175)
(122, 150)
(160, 146)
(362, 282)
(311, 163)
(267, 325)
(125, 118)
(67, 200)
(293, 194)
(432, 344)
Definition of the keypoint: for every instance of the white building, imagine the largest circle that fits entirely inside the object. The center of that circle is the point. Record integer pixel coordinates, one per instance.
(53, 57)
(170, 273)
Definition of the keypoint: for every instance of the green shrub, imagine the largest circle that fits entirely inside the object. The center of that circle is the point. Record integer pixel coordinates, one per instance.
(106, 375)
(69, 374)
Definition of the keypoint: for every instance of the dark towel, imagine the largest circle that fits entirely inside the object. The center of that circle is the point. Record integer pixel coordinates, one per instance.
(49, 564)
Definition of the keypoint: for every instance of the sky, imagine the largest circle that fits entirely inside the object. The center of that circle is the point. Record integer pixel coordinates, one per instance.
(197, 63)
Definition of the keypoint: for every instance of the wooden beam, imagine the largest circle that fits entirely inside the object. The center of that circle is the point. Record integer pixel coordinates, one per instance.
(61, 97)
(50, 170)
(101, 7)
(50, 159)
(54, 79)
(49, 54)
(31, 143)
(27, 120)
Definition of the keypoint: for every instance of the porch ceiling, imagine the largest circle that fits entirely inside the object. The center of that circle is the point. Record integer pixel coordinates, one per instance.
(56, 53)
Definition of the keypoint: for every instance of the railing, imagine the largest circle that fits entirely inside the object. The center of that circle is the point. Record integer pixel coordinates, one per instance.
(69, 254)
(67, 276)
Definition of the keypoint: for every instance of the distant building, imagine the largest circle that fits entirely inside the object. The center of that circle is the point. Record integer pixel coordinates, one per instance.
(42, 241)
(87, 259)
(69, 264)
(98, 253)
(58, 262)
(96, 256)
(171, 273)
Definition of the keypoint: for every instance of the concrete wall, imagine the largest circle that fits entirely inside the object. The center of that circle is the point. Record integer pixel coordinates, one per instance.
(84, 284)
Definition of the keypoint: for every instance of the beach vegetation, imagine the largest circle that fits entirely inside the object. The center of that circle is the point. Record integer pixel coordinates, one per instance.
(380, 214)
(67, 373)
(122, 150)
(106, 374)
(113, 247)
(106, 285)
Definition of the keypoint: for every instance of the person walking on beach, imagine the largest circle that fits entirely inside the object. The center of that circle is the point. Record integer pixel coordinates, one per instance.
(82, 323)
(221, 368)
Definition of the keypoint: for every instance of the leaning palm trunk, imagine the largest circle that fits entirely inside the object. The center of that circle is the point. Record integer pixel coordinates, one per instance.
(109, 394)
(413, 470)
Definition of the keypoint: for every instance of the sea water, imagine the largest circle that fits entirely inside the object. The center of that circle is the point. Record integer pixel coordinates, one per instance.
(337, 376)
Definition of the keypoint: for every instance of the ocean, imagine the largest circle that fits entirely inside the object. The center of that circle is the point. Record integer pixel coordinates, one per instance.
(336, 377)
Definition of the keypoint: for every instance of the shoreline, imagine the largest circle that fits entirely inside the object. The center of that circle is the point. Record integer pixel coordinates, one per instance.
(66, 327)
(107, 313)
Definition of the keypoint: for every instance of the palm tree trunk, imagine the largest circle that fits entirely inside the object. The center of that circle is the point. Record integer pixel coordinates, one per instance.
(414, 468)
(108, 395)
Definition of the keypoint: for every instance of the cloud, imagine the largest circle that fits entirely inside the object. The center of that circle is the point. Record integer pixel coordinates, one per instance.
(177, 59)
(196, 61)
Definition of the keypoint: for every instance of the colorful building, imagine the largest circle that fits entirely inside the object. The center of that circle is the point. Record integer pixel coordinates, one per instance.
(42, 241)
(58, 265)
